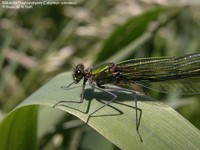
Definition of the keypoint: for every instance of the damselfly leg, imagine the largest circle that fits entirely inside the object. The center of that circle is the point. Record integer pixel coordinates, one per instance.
(114, 97)
(67, 87)
(133, 93)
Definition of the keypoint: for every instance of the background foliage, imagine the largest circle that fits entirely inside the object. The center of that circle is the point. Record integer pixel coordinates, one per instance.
(36, 44)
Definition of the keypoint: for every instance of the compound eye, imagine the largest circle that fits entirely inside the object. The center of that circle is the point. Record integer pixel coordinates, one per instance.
(78, 72)
(78, 75)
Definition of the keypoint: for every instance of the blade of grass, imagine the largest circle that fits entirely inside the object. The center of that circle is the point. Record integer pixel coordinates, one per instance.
(129, 32)
(19, 129)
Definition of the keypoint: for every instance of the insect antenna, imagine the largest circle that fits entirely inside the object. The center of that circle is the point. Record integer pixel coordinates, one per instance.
(67, 87)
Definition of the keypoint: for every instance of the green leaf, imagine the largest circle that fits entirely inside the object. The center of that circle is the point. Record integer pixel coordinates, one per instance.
(18, 130)
(161, 127)
(46, 121)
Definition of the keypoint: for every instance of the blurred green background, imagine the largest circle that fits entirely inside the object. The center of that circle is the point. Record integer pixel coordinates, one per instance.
(40, 42)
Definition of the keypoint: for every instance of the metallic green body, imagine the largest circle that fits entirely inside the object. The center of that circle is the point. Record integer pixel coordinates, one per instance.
(102, 75)
(180, 75)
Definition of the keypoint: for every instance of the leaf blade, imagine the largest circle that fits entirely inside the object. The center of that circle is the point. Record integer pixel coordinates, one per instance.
(161, 126)
(18, 129)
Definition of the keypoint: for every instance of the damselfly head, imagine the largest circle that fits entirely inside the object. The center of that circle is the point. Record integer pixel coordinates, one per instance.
(79, 73)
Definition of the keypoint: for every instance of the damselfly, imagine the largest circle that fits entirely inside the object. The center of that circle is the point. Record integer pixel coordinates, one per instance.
(179, 75)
